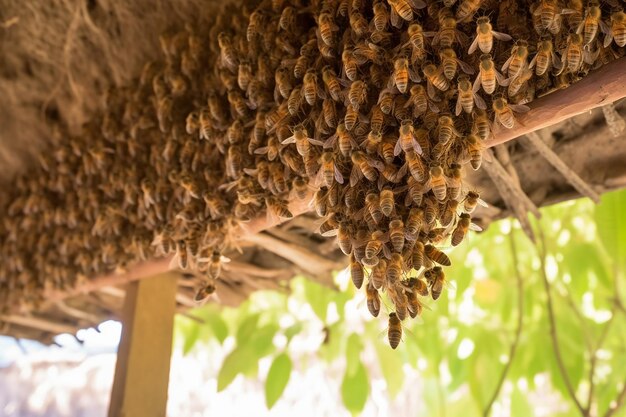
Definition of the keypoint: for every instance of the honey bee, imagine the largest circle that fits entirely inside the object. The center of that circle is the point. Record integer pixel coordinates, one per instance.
(329, 112)
(503, 112)
(435, 78)
(310, 89)
(591, 22)
(276, 210)
(417, 257)
(518, 82)
(205, 291)
(378, 275)
(517, 62)
(327, 27)
(413, 303)
(395, 268)
(416, 165)
(414, 222)
(387, 201)
(455, 181)
(375, 244)
(181, 258)
(448, 34)
(437, 182)
(357, 94)
(472, 199)
(448, 212)
(344, 239)
(450, 62)
(574, 13)
(417, 41)
(228, 55)
(575, 54)
(406, 140)
(283, 83)
(418, 100)
(302, 140)
(329, 172)
(287, 21)
(401, 74)
(436, 255)
(617, 30)
(397, 296)
(467, 9)
(344, 139)
(464, 224)
(467, 97)
(404, 9)
(373, 299)
(373, 142)
(481, 125)
(356, 272)
(295, 101)
(364, 166)
(489, 77)
(485, 35)
(438, 280)
(358, 23)
(381, 16)
(350, 68)
(385, 101)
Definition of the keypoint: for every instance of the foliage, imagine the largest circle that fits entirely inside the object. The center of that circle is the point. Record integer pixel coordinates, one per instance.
(473, 348)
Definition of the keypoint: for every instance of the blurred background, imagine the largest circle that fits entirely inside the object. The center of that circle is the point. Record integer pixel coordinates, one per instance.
(523, 329)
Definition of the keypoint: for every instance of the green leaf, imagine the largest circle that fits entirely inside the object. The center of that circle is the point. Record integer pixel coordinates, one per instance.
(355, 389)
(213, 317)
(611, 225)
(293, 330)
(353, 353)
(391, 366)
(240, 360)
(191, 337)
(520, 407)
(317, 297)
(247, 328)
(262, 341)
(277, 379)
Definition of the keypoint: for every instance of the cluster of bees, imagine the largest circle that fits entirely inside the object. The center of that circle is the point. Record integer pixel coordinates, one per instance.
(369, 109)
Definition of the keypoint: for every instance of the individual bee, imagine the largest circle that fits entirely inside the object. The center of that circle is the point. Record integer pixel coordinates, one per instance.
(302, 140)
(228, 55)
(396, 234)
(364, 166)
(416, 166)
(181, 258)
(329, 112)
(591, 23)
(406, 139)
(438, 280)
(205, 291)
(356, 272)
(413, 303)
(381, 16)
(385, 101)
(287, 21)
(472, 199)
(342, 136)
(517, 62)
(485, 35)
(574, 12)
(378, 275)
(467, 97)
(395, 268)
(357, 94)
(344, 239)
(419, 100)
(372, 143)
(489, 77)
(394, 332)
(462, 227)
(401, 74)
(575, 55)
(435, 78)
(295, 101)
(327, 27)
(329, 171)
(349, 68)
(455, 181)
(404, 9)
(256, 23)
(372, 205)
(373, 299)
(437, 182)
(358, 23)
(417, 41)
(467, 9)
(418, 255)
(276, 210)
(617, 30)
(436, 255)
(387, 201)
(414, 222)
(503, 112)
(448, 34)
(310, 89)
(448, 212)
(519, 81)
(283, 83)
(450, 62)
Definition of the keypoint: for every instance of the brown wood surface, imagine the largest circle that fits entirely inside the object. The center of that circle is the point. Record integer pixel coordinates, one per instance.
(143, 357)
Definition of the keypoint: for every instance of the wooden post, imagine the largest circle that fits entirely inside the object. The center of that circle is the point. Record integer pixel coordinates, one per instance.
(143, 358)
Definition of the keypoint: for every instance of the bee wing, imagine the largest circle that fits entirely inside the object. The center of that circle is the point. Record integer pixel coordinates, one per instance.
(396, 21)
(398, 148)
(482, 202)
(262, 150)
(290, 139)
(604, 27)
(501, 36)
(465, 67)
(355, 175)
(519, 108)
(501, 80)
(315, 142)
(416, 146)
(506, 64)
(430, 89)
(386, 250)
(608, 38)
(417, 4)
(475, 227)
(477, 83)
(338, 175)
(330, 142)
(480, 103)
(473, 46)
(556, 62)
(532, 62)
(590, 57)
(458, 108)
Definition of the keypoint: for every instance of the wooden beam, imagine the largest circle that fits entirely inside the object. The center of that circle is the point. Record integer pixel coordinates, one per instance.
(603, 86)
(143, 358)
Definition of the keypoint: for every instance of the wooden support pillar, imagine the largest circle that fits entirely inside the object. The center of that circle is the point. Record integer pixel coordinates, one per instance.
(143, 357)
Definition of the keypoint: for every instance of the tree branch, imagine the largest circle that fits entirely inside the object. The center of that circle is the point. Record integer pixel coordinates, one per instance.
(594, 358)
(553, 332)
(518, 330)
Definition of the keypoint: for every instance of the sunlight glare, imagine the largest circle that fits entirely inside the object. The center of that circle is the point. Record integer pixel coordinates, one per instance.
(466, 348)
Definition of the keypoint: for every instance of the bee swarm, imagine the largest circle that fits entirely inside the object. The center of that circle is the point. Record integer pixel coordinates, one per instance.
(375, 107)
